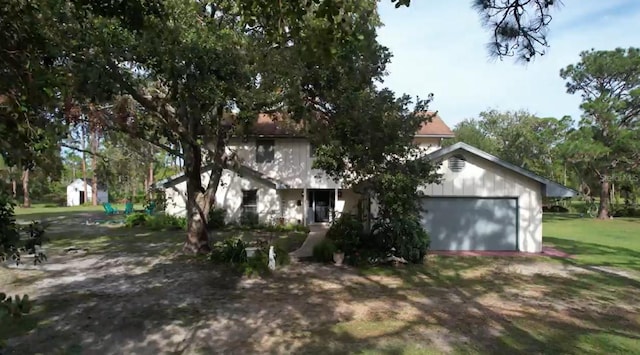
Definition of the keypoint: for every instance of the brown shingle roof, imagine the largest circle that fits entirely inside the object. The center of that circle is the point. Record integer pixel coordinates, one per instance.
(279, 125)
(435, 128)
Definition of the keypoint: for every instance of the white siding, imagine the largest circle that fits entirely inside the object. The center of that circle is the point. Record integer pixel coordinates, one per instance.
(428, 144)
(485, 179)
(74, 189)
(229, 197)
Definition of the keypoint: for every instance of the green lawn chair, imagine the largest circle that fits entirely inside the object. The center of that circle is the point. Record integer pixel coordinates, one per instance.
(150, 208)
(128, 208)
(108, 209)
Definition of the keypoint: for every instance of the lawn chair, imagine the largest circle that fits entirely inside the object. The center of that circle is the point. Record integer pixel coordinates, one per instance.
(128, 208)
(150, 208)
(108, 209)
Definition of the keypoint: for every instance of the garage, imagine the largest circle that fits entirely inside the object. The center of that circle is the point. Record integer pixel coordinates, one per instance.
(471, 223)
(483, 203)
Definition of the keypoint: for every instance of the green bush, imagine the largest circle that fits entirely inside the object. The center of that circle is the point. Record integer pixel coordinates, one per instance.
(323, 251)
(231, 250)
(346, 232)
(250, 219)
(216, 218)
(136, 219)
(164, 221)
(402, 237)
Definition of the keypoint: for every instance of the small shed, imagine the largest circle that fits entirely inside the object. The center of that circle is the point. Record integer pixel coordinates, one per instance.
(76, 194)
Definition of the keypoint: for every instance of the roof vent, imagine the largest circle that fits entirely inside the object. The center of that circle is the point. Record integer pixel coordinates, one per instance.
(456, 163)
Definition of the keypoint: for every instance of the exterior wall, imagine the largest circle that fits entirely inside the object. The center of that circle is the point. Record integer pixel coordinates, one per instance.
(428, 144)
(229, 197)
(291, 165)
(73, 193)
(485, 179)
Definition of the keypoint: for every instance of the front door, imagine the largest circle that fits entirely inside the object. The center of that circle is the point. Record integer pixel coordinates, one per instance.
(320, 205)
(82, 197)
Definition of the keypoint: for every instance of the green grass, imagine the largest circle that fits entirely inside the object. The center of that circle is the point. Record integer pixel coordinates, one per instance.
(612, 243)
(40, 211)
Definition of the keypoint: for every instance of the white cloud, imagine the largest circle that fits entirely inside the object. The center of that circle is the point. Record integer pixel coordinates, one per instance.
(440, 47)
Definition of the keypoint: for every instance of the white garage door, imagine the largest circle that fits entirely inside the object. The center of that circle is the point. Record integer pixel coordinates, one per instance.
(456, 223)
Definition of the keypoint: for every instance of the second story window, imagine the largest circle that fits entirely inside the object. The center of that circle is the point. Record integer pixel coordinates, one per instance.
(265, 150)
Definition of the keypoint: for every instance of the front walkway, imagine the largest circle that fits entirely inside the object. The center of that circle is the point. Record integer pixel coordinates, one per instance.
(316, 235)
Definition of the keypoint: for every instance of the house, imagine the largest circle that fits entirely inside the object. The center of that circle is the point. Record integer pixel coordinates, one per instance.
(483, 203)
(76, 195)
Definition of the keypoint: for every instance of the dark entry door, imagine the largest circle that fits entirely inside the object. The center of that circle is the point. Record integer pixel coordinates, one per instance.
(320, 205)
(81, 197)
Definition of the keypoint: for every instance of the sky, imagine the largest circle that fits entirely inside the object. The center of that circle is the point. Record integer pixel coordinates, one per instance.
(439, 47)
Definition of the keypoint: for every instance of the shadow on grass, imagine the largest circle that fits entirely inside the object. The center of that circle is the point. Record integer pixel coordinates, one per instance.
(464, 304)
(592, 254)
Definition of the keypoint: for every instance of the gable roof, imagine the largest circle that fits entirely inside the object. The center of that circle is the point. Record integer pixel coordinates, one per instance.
(551, 188)
(435, 128)
(279, 125)
(101, 186)
(242, 170)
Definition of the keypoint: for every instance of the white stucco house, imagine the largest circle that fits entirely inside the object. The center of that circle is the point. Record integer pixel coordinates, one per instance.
(76, 195)
(483, 203)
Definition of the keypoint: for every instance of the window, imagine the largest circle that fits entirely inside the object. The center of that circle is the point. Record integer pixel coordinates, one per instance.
(312, 150)
(249, 207)
(264, 150)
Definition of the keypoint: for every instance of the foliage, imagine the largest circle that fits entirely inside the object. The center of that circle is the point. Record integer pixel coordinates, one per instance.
(136, 219)
(323, 251)
(231, 250)
(159, 221)
(13, 307)
(250, 219)
(12, 245)
(158, 200)
(403, 237)
(519, 137)
(607, 140)
(162, 221)
(345, 232)
(216, 218)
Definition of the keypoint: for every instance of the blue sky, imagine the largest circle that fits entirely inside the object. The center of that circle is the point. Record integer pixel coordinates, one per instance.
(439, 47)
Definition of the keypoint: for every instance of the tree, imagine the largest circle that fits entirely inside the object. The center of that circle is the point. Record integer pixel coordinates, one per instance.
(607, 140)
(180, 66)
(518, 137)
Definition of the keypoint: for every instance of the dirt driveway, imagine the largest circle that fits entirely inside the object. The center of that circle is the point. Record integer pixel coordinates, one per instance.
(131, 294)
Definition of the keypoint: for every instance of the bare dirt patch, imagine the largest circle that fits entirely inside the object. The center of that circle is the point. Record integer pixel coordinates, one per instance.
(114, 301)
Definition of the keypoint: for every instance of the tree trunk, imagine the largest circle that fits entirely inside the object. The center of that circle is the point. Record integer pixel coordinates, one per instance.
(603, 209)
(84, 163)
(25, 188)
(197, 237)
(94, 167)
(150, 180)
(14, 188)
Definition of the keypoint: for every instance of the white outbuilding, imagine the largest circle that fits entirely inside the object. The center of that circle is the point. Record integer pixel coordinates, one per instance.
(76, 194)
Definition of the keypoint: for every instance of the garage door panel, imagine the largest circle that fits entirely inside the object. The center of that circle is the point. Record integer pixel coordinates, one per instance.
(471, 223)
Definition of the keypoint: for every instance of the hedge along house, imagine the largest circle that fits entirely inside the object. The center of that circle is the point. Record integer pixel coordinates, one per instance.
(76, 194)
(275, 181)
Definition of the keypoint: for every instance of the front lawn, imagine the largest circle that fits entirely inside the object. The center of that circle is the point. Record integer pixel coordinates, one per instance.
(593, 242)
(131, 293)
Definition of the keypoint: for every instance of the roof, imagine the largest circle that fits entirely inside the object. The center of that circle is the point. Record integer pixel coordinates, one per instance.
(101, 186)
(435, 128)
(242, 170)
(279, 125)
(551, 188)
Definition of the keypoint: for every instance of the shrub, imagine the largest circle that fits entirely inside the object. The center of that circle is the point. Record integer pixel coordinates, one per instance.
(249, 219)
(625, 211)
(403, 237)
(345, 232)
(231, 250)
(555, 209)
(164, 221)
(216, 218)
(135, 219)
(323, 251)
